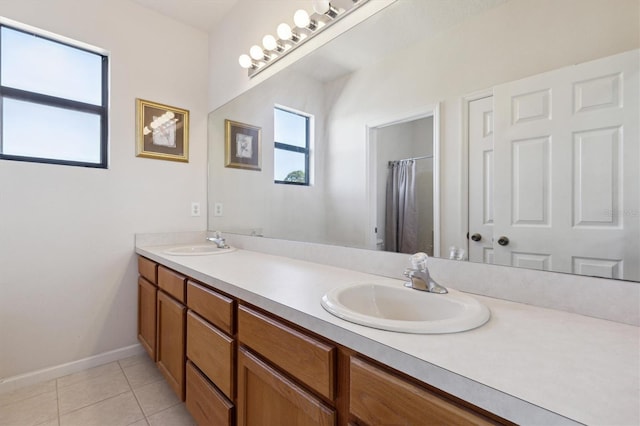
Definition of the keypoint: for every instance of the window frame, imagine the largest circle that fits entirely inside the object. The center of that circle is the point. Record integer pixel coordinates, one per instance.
(63, 103)
(293, 148)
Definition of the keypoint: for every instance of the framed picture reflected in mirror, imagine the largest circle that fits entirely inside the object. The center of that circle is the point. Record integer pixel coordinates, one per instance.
(242, 146)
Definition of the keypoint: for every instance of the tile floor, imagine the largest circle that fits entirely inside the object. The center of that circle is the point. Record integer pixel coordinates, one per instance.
(127, 392)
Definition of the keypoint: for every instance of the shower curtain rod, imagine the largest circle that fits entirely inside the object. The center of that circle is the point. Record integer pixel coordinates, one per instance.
(413, 158)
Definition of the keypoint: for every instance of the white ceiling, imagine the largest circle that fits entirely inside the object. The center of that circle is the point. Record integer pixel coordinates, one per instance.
(202, 14)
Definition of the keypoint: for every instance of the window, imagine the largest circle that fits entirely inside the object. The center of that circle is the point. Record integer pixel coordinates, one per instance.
(53, 101)
(291, 153)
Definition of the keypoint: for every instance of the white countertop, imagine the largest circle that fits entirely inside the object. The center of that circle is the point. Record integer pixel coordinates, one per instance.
(528, 364)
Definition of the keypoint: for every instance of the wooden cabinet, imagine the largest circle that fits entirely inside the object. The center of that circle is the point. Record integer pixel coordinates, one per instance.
(307, 359)
(275, 373)
(161, 319)
(212, 306)
(147, 294)
(266, 397)
(148, 269)
(205, 403)
(172, 283)
(278, 380)
(378, 397)
(171, 316)
(211, 353)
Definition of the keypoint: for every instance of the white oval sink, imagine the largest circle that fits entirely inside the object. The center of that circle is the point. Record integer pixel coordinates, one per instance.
(198, 250)
(397, 308)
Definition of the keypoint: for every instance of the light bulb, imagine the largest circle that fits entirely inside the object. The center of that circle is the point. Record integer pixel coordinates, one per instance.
(256, 52)
(284, 32)
(321, 6)
(269, 42)
(301, 19)
(245, 61)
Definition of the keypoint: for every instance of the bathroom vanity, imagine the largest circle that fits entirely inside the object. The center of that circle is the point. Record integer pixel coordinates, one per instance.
(243, 334)
(239, 362)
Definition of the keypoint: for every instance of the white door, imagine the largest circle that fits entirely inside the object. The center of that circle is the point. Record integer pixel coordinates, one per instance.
(481, 180)
(566, 170)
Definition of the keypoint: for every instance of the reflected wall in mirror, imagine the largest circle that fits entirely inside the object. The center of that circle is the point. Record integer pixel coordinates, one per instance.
(453, 54)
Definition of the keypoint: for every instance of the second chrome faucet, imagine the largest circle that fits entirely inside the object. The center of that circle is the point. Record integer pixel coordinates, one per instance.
(218, 240)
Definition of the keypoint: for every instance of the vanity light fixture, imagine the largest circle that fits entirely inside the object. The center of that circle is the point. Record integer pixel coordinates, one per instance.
(285, 32)
(307, 26)
(258, 54)
(245, 61)
(302, 20)
(324, 7)
(269, 42)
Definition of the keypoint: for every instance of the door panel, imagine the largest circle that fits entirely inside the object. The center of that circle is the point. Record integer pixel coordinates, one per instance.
(266, 397)
(171, 341)
(481, 182)
(565, 170)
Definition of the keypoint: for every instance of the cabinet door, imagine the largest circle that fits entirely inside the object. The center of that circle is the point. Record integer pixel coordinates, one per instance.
(171, 341)
(266, 398)
(377, 397)
(147, 316)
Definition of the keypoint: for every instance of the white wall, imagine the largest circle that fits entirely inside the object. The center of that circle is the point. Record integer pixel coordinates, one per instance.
(509, 42)
(67, 266)
(252, 202)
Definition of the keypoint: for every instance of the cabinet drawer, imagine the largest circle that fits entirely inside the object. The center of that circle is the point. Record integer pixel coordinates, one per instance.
(204, 402)
(212, 351)
(212, 306)
(172, 283)
(375, 397)
(307, 359)
(148, 269)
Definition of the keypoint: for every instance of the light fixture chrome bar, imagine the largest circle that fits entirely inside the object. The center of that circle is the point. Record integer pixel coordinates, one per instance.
(286, 34)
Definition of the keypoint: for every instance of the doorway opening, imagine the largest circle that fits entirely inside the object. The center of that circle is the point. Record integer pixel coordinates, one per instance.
(408, 145)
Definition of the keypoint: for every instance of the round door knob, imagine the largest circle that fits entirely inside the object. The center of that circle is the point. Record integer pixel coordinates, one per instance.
(476, 237)
(503, 241)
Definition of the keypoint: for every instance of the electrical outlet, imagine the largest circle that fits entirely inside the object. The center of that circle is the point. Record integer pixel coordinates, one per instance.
(217, 209)
(195, 209)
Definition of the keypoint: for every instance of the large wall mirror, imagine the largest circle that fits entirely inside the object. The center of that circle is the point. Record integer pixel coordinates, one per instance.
(518, 117)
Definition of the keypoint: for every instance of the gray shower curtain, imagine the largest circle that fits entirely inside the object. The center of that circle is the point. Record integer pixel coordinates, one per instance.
(401, 221)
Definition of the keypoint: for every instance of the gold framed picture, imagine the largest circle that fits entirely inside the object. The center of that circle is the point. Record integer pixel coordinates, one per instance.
(242, 146)
(162, 131)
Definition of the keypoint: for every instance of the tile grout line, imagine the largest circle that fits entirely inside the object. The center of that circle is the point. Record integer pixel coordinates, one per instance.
(96, 402)
(57, 402)
(147, 417)
(133, 392)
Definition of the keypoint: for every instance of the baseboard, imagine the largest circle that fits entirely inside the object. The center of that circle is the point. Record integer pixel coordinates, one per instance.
(16, 382)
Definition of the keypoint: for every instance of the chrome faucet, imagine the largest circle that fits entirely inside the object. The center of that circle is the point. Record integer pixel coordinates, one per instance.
(419, 277)
(218, 240)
